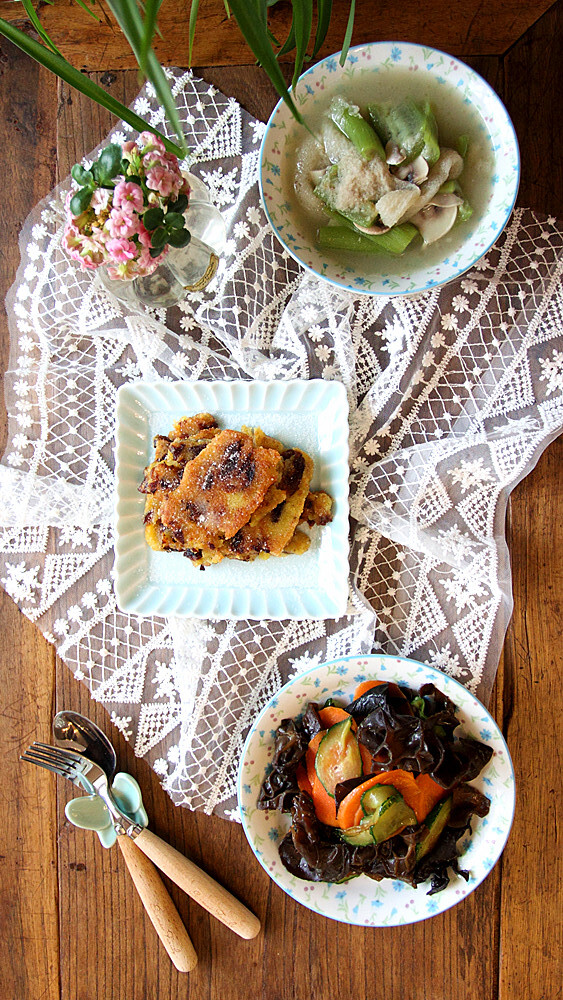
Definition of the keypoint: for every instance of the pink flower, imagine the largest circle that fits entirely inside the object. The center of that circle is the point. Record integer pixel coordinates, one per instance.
(150, 141)
(163, 180)
(100, 199)
(128, 147)
(121, 250)
(127, 193)
(89, 251)
(123, 223)
(144, 235)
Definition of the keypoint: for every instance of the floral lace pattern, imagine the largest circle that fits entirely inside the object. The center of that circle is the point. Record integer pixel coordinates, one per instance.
(453, 396)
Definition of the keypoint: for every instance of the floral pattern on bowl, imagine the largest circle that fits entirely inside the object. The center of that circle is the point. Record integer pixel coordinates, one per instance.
(363, 901)
(388, 278)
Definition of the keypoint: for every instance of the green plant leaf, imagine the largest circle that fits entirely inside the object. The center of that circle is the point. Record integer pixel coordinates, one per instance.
(249, 17)
(153, 217)
(155, 251)
(81, 175)
(324, 14)
(151, 8)
(194, 7)
(80, 201)
(72, 76)
(129, 19)
(348, 33)
(174, 220)
(159, 237)
(303, 21)
(289, 43)
(179, 237)
(85, 7)
(110, 161)
(180, 205)
(32, 15)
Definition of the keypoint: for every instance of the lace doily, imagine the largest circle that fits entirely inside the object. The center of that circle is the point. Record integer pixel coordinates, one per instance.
(453, 396)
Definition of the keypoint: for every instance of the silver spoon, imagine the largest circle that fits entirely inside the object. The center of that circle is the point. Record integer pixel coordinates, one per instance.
(79, 733)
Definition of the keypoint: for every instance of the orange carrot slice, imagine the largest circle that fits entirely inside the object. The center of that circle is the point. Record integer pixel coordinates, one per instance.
(325, 806)
(366, 686)
(332, 714)
(430, 793)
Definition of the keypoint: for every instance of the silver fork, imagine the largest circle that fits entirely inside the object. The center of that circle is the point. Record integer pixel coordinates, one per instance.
(193, 880)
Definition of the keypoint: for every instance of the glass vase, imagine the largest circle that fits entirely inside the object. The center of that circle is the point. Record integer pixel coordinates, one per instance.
(186, 270)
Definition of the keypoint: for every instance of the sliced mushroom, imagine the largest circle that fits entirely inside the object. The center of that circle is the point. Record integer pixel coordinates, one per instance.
(434, 221)
(415, 172)
(395, 205)
(374, 230)
(393, 154)
(449, 165)
(446, 199)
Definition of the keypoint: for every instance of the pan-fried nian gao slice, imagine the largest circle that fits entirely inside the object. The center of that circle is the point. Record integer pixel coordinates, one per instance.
(272, 533)
(220, 489)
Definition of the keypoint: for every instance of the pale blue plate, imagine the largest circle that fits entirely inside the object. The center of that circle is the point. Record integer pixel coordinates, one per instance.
(363, 901)
(311, 415)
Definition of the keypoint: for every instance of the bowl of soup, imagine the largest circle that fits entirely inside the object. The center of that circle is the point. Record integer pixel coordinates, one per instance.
(402, 176)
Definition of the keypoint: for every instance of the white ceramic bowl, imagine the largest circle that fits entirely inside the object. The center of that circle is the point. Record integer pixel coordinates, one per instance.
(372, 71)
(361, 900)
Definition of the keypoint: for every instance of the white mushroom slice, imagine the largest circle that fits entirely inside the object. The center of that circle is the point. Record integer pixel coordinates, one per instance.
(414, 172)
(374, 230)
(434, 222)
(394, 205)
(449, 165)
(446, 199)
(393, 154)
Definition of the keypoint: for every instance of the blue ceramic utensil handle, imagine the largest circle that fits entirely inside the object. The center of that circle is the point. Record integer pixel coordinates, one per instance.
(198, 885)
(159, 906)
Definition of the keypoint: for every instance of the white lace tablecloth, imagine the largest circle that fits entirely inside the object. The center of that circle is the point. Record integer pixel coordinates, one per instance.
(453, 395)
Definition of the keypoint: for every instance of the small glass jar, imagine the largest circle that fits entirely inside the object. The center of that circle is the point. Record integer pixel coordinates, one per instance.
(184, 270)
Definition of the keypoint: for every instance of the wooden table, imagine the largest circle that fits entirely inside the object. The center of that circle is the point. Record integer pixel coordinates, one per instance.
(72, 927)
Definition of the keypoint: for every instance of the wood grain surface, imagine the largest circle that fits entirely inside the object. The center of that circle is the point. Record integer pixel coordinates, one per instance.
(72, 926)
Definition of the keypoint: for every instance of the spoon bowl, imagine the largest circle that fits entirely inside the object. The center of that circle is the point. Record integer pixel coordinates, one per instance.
(75, 731)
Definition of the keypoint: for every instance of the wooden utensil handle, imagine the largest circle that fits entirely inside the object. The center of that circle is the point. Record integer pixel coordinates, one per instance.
(159, 906)
(199, 885)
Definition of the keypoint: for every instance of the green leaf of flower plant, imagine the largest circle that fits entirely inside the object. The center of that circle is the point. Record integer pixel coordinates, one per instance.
(155, 252)
(159, 236)
(80, 201)
(179, 237)
(153, 217)
(174, 220)
(180, 205)
(81, 175)
(110, 160)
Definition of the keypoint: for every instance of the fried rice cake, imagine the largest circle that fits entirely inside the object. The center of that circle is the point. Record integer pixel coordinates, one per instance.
(273, 532)
(220, 490)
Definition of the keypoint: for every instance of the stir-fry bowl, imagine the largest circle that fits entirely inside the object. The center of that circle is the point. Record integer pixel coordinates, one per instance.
(362, 900)
(372, 70)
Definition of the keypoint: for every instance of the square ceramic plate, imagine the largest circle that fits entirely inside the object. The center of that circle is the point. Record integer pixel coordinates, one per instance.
(311, 415)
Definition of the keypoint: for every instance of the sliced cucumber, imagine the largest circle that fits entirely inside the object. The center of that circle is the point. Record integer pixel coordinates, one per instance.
(390, 815)
(338, 757)
(348, 119)
(436, 821)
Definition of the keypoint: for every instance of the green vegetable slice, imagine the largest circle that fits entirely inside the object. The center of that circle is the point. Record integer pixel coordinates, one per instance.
(338, 756)
(410, 125)
(348, 119)
(436, 821)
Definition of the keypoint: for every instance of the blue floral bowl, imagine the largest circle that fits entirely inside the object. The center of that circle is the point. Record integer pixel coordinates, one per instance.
(373, 72)
(361, 900)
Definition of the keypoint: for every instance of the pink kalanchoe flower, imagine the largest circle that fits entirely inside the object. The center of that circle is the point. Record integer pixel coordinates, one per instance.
(129, 146)
(128, 195)
(148, 140)
(144, 235)
(122, 224)
(100, 199)
(163, 180)
(121, 250)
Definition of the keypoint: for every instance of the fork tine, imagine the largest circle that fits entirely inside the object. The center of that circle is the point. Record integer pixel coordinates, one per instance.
(41, 763)
(61, 766)
(52, 753)
(60, 752)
